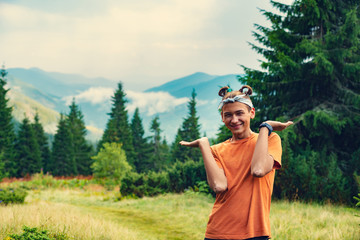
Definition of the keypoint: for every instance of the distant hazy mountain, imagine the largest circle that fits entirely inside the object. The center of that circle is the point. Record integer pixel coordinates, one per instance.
(34, 90)
(26, 106)
(50, 93)
(50, 88)
(207, 88)
(181, 83)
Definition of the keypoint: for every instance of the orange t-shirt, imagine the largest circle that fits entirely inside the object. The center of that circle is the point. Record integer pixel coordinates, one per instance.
(243, 210)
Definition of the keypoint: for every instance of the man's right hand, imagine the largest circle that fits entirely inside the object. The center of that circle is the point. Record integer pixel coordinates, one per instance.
(195, 143)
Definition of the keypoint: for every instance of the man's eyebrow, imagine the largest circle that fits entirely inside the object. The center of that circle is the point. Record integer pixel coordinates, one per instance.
(237, 111)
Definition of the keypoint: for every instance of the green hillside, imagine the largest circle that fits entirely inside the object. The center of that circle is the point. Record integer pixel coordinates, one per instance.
(26, 106)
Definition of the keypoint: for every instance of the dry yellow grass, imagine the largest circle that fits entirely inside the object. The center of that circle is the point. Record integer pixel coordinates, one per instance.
(165, 217)
(61, 218)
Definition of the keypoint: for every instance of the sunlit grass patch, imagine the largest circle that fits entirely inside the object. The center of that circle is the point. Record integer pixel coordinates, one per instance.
(295, 220)
(61, 218)
(170, 216)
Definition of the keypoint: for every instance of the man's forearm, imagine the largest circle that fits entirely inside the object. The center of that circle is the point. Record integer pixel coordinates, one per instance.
(261, 163)
(215, 175)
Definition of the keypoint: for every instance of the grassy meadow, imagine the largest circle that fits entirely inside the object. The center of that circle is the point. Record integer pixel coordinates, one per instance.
(92, 212)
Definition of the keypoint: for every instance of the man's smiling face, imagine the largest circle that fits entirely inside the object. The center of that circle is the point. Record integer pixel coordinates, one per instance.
(236, 117)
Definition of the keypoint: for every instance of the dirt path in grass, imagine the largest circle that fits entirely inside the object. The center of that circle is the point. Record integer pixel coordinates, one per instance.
(148, 224)
(165, 217)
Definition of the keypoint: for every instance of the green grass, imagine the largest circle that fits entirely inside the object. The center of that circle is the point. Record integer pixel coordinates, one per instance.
(171, 216)
(295, 220)
(93, 214)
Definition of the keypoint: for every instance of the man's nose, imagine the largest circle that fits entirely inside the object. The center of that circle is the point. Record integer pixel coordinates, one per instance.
(234, 119)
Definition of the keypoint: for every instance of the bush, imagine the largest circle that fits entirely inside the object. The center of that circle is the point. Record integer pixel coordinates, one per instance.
(41, 180)
(357, 199)
(108, 183)
(313, 173)
(110, 162)
(177, 178)
(133, 184)
(185, 175)
(36, 234)
(203, 187)
(45, 181)
(157, 183)
(141, 184)
(12, 195)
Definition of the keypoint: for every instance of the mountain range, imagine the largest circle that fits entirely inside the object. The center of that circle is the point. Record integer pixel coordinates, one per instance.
(51, 93)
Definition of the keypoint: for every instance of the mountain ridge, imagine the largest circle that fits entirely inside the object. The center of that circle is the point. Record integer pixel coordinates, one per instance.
(49, 90)
(185, 81)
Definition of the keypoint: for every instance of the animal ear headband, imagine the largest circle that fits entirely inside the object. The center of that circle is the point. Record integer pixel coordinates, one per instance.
(242, 98)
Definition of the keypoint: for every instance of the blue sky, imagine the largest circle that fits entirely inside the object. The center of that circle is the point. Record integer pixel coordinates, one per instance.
(139, 42)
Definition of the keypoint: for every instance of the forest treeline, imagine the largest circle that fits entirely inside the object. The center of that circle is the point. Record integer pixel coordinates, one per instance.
(310, 75)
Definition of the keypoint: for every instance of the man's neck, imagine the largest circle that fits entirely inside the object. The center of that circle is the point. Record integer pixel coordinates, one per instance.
(240, 136)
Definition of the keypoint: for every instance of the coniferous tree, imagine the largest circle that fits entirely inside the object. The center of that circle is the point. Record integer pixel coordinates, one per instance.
(118, 128)
(165, 152)
(7, 133)
(176, 149)
(141, 146)
(189, 131)
(156, 158)
(28, 150)
(42, 141)
(312, 75)
(223, 134)
(62, 156)
(81, 149)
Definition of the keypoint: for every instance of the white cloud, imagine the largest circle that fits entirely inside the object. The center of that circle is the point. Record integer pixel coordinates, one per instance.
(153, 102)
(143, 43)
(200, 102)
(94, 95)
(147, 102)
(120, 40)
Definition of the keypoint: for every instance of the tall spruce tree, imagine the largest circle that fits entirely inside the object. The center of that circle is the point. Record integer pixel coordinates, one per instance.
(28, 150)
(189, 131)
(311, 73)
(142, 147)
(7, 133)
(62, 156)
(42, 141)
(118, 127)
(165, 153)
(157, 157)
(81, 149)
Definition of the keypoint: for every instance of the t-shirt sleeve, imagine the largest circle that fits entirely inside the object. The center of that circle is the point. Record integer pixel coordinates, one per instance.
(215, 155)
(275, 149)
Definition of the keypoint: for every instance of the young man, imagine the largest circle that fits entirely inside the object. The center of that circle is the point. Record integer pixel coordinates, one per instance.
(241, 170)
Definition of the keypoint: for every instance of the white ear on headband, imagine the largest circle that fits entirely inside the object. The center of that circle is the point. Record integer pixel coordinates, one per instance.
(237, 98)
